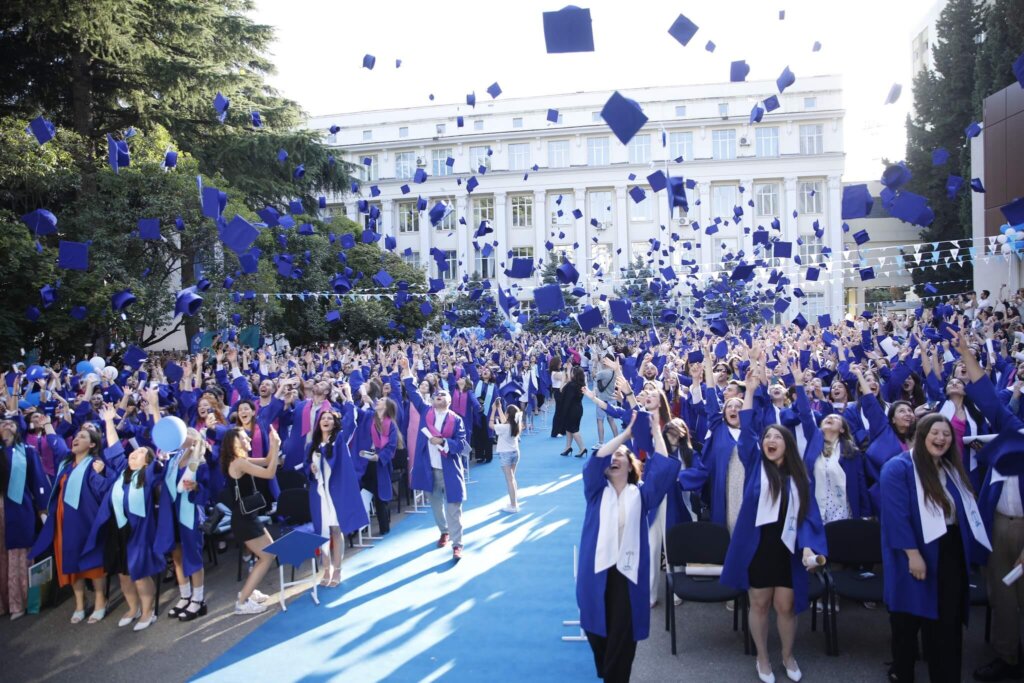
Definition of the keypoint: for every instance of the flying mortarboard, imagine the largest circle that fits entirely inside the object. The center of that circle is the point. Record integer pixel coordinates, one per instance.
(239, 234)
(857, 201)
(122, 300)
(568, 30)
(521, 268)
(1014, 211)
(623, 116)
(548, 299)
(894, 93)
(620, 311)
(369, 61)
(40, 222)
(552, 115)
(683, 30)
(785, 79)
(41, 129)
(771, 103)
(589, 319)
(73, 255)
(738, 71)
(149, 229)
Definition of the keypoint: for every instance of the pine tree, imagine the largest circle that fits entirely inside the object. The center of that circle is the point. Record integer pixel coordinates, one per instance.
(943, 107)
(547, 322)
(635, 289)
(1003, 44)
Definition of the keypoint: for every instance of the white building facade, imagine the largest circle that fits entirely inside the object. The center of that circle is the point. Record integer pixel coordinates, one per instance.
(790, 166)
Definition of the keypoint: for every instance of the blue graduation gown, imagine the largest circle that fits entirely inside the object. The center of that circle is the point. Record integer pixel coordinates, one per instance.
(714, 460)
(451, 464)
(659, 476)
(78, 522)
(901, 529)
(343, 486)
(143, 558)
(191, 539)
(884, 444)
(746, 536)
(20, 519)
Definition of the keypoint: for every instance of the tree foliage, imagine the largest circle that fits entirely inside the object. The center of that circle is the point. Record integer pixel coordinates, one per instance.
(548, 322)
(1003, 44)
(636, 289)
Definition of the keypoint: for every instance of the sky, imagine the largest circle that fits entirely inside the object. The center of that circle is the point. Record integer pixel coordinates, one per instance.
(450, 48)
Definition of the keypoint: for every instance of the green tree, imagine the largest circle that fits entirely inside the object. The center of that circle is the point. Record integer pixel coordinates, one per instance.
(103, 66)
(943, 107)
(481, 311)
(635, 289)
(546, 322)
(1004, 42)
(729, 298)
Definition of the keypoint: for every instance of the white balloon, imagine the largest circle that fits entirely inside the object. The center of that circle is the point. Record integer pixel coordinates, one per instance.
(97, 363)
(1006, 249)
(92, 377)
(1010, 232)
(109, 373)
(1001, 239)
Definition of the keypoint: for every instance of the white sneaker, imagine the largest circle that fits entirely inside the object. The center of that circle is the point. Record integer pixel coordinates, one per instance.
(509, 508)
(259, 597)
(249, 607)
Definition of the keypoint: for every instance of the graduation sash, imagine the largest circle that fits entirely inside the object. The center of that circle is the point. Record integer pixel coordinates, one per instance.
(73, 487)
(136, 499)
(186, 508)
(768, 510)
(19, 471)
(624, 553)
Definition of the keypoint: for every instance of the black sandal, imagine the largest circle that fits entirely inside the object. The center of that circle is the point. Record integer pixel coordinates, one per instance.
(188, 615)
(179, 608)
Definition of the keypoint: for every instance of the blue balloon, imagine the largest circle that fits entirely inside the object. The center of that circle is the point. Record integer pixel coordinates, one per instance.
(169, 433)
(84, 367)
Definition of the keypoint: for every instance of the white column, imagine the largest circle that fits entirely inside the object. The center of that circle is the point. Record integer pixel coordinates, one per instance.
(426, 231)
(501, 234)
(789, 228)
(388, 224)
(621, 230)
(461, 241)
(746, 242)
(352, 210)
(707, 257)
(582, 264)
(834, 298)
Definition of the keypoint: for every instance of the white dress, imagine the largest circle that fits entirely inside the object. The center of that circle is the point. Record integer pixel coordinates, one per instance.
(328, 515)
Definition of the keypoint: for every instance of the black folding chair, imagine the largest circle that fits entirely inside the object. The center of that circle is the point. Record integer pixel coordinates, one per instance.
(293, 510)
(857, 545)
(700, 543)
(291, 479)
(978, 588)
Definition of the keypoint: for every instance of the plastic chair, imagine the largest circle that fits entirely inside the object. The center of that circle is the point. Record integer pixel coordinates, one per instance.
(853, 543)
(700, 543)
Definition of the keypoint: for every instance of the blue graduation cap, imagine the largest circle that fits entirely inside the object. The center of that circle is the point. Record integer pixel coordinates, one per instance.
(738, 71)
(657, 180)
(41, 222)
(940, 155)
(812, 274)
(896, 176)
(472, 184)
(568, 30)
(122, 300)
(785, 79)
(220, 105)
(857, 201)
(800, 321)
(719, 327)
(589, 319)
(332, 316)
(756, 114)
(170, 159)
(867, 274)
(676, 196)
(239, 234)
(894, 93)
(73, 255)
(783, 250)
(567, 274)
(187, 302)
(548, 298)
(824, 320)
(78, 312)
(861, 237)
(213, 202)
(369, 61)
(494, 90)
(134, 357)
(118, 155)
(953, 185)
(973, 130)
(683, 30)
(552, 115)
(623, 116)
(911, 208)
(771, 103)
(620, 310)
(1014, 211)
(521, 268)
(977, 185)
(149, 229)
(436, 285)
(41, 129)
(637, 194)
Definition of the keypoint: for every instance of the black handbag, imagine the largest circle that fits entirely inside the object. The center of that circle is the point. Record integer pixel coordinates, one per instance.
(251, 504)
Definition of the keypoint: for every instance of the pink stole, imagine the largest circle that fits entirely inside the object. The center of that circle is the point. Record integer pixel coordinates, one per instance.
(447, 427)
(459, 400)
(307, 414)
(257, 442)
(380, 438)
(411, 434)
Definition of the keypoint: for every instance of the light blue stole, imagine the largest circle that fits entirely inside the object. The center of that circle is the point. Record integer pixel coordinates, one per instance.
(19, 470)
(136, 499)
(73, 488)
(186, 508)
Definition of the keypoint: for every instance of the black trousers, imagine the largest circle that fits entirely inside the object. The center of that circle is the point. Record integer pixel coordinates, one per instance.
(613, 655)
(942, 638)
(483, 449)
(381, 507)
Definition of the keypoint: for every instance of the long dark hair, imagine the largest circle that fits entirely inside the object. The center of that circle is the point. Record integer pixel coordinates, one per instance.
(685, 444)
(926, 469)
(95, 445)
(891, 414)
(318, 435)
(238, 420)
(150, 455)
(664, 411)
(390, 412)
(792, 467)
(578, 376)
(227, 448)
(916, 395)
(512, 417)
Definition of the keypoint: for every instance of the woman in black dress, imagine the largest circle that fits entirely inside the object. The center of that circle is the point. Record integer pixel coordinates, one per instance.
(241, 472)
(570, 412)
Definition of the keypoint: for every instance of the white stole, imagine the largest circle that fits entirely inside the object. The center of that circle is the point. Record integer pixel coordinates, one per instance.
(948, 411)
(623, 553)
(933, 519)
(768, 509)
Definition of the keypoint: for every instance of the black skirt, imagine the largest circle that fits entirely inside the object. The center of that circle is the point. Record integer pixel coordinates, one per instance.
(115, 552)
(772, 563)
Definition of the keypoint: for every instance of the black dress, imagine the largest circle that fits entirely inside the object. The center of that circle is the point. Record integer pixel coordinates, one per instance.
(244, 527)
(771, 566)
(569, 410)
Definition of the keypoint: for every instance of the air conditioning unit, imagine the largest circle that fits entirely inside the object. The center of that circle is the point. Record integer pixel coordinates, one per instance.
(744, 142)
(420, 163)
(602, 225)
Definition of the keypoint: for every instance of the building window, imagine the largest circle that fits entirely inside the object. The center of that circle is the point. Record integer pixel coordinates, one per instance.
(810, 250)
(723, 144)
(522, 252)
(602, 255)
(441, 128)
(815, 305)
(723, 110)
(596, 117)
(724, 251)
(403, 132)
(478, 124)
(811, 138)
(810, 196)
(565, 207)
(439, 161)
(368, 222)
(367, 135)
(723, 200)
(483, 210)
(766, 141)
(484, 266)
(680, 110)
(767, 199)
(597, 151)
(478, 157)
(369, 173)
(411, 258)
(680, 145)
(517, 122)
(408, 217)
(448, 222)
(519, 156)
(810, 102)
(522, 211)
(405, 165)
(558, 154)
(644, 211)
(562, 252)
(600, 209)
(639, 149)
(450, 269)
(332, 210)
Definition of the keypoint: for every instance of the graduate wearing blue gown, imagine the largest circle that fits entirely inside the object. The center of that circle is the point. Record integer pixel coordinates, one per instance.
(613, 578)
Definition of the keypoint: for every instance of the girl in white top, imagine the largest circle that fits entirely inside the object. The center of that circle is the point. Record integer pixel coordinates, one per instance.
(507, 426)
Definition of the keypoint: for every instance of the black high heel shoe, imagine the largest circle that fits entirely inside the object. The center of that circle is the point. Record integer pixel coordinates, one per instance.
(567, 451)
(186, 615)
(581, 453)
